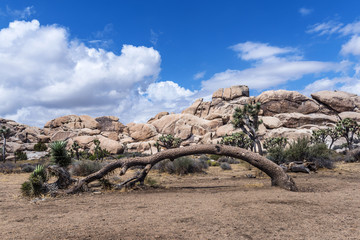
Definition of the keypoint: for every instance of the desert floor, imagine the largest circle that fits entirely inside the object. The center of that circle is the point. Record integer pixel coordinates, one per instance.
(216, 205)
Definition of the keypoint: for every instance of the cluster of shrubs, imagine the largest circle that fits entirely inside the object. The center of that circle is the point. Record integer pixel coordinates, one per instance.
(85, 167)
(279, 151)
(181, 166)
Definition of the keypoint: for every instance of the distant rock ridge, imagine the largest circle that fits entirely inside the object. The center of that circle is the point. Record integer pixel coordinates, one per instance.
(284, 113)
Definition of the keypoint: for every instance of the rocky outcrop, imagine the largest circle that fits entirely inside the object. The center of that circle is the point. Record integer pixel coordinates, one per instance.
(231, 93)
(141, 131)
(283, 113)
(281, 101)
(296, 120)
(71, 122)
(338, 101)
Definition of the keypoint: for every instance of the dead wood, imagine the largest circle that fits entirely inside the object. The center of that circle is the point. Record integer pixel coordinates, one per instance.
(275, 172)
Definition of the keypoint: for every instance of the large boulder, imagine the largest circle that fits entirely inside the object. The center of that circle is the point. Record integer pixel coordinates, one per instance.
(193, 108)
(271, 122)
(290, 133)
(71, 122)
(110, 124)
(282, 101)
(231, 93)
(141, 131)
(351, 115)
(295, 120)
(338, 100)
(158, 116)
(87, 142)
(176, 123)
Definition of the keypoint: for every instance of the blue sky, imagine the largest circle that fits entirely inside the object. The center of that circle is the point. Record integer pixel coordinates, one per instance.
(133, 59)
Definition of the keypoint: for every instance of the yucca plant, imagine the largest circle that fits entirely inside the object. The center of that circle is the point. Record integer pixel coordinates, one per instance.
(34, 187)
(40, 172)
(59, 155)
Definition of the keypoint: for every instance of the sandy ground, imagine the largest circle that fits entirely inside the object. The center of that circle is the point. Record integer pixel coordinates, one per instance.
(217, 205)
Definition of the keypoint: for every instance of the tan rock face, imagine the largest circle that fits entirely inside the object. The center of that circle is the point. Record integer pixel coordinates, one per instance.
(338, 100)
(110, 123)
(72, 122)
(112, 146)
(62, 135)
(141, 131)
(172, 123)
(231, 93)
(271, 122)
(351, 115)
(296, 120)
(281, 101)
(158, 116)
(193, 108)
(290, 133)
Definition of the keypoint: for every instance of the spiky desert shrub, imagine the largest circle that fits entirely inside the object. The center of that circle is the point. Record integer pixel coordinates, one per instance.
(59, 154)
(34, 186)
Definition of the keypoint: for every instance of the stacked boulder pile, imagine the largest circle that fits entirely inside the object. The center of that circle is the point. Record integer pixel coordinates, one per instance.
(284, 114)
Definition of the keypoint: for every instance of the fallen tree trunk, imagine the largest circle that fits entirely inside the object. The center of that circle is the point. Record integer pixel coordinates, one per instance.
(275, 172)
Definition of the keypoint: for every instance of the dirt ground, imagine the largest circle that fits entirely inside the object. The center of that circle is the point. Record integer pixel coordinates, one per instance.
(216, 205)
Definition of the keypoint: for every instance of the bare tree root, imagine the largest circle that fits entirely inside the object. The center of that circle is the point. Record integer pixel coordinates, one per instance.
(275, 172)
(63, 182)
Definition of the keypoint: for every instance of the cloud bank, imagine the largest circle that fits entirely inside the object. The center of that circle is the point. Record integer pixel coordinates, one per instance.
(44, 75)
(271, 67)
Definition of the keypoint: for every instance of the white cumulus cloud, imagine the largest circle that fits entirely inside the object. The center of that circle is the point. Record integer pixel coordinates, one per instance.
(45, 74)
(273, 66)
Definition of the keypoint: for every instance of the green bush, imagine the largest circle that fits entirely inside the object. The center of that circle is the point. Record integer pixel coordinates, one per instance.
(85, 168)
(321, 156)
(40, 147)
(298, 150)
(59, 154)
(20, 155)
(301, 150)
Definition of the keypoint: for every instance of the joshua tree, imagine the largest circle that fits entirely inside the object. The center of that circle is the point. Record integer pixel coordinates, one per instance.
(319, 136)
(167, 141)
(238, 139)
(347, 128)
(4, 133)
(247, 119)
(75, 146)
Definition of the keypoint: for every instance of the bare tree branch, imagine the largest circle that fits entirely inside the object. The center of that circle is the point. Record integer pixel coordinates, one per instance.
(275, 172)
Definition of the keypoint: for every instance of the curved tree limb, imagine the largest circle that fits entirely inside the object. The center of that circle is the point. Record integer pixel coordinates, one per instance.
(275, 172)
